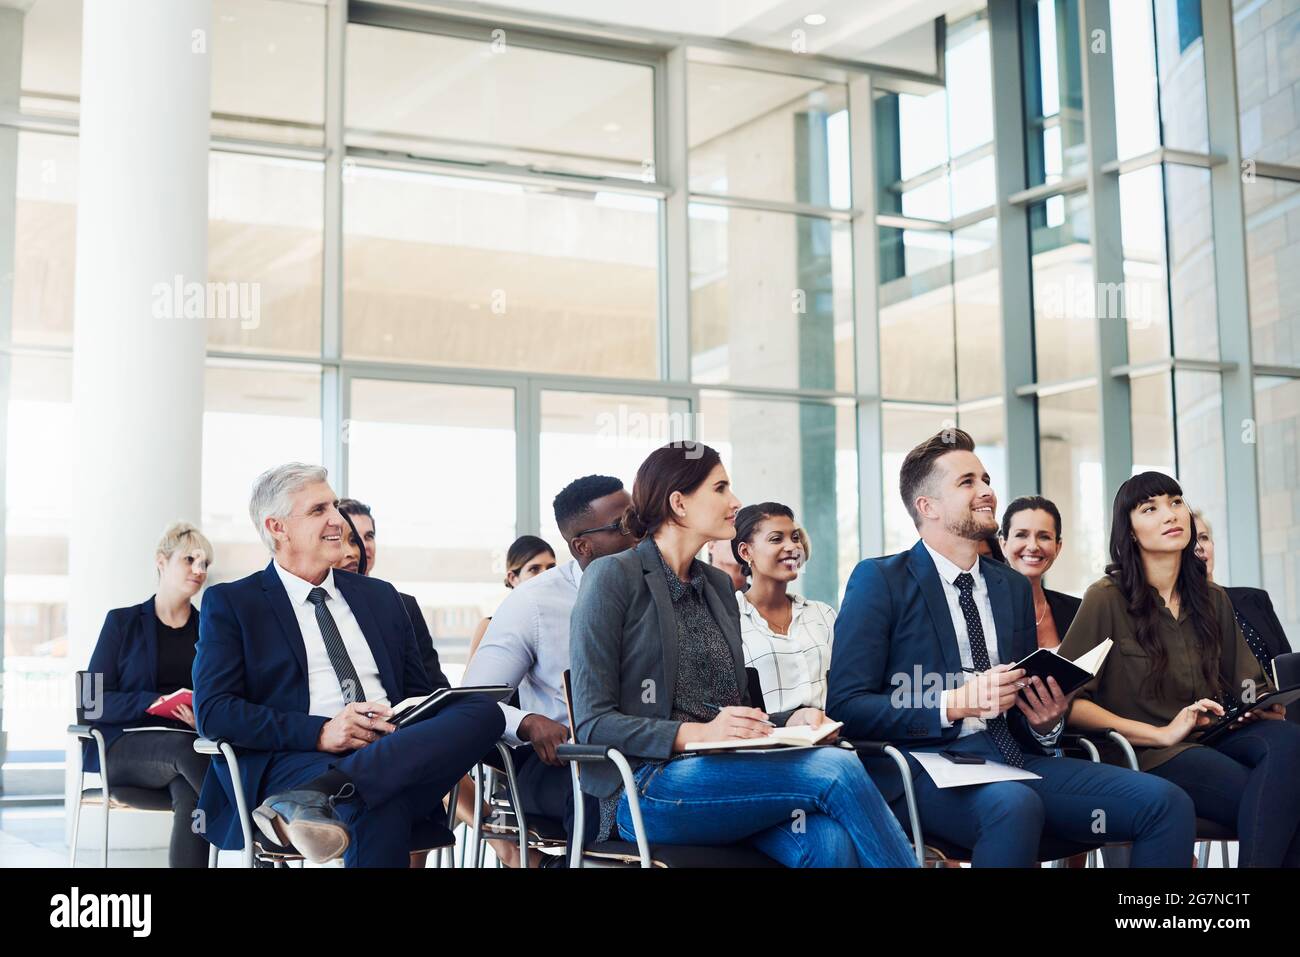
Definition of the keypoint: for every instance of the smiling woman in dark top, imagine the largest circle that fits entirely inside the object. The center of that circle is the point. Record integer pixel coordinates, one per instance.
(657, 664)
(144, 652)
(1031, 536)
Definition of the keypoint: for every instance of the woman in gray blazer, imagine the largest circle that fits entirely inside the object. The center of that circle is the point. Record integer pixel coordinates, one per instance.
(657, 663)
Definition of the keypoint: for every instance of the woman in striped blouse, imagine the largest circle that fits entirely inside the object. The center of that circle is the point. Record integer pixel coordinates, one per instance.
(786, 637)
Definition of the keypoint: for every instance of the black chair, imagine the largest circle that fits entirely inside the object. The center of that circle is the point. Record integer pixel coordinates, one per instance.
(495, 782)
(118, 797)
(638, 853)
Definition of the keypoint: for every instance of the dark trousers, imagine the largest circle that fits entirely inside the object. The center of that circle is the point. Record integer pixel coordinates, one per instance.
(1002, 823)
(547, 791)
(401, 778)
(166, 759)
(1249, 780)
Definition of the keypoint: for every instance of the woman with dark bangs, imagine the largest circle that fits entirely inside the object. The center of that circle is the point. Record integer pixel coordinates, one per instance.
(1178, 657)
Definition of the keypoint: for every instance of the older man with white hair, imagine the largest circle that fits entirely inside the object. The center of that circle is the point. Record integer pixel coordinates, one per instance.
(300, 664)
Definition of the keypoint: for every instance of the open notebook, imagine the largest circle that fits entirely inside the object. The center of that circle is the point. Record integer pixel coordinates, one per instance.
(794, 736)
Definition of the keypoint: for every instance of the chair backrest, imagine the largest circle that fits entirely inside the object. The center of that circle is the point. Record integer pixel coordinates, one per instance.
(568, 706)
(755, 688)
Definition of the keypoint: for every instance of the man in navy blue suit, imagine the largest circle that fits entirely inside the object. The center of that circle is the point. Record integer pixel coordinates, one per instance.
(924, 647)
(298, 665)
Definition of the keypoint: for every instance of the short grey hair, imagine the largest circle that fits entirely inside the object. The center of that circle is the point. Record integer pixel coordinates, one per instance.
(273, 494)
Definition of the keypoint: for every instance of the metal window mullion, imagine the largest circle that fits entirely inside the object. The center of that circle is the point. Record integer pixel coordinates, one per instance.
(866, 318)
(335, 383)
(1015, 280)
(673, 148)
(528, 456)
(1115, 423)
(1241, 469)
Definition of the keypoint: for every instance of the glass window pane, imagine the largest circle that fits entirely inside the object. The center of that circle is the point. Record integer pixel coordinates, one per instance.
(973, 186)
(45, 240)
(1065, 298)
(584, 433)
(255, 416)
(1266, 36)
(1191, 262)
(902, 429)
(442, 531)
(771, 299)
(1133, 53)
(1198, 398)
(767, 135)
(970, 84)
(922, 132)
(1069, 449)
(38, 496)
(265, 235)
(1277, 410)
(460, 272)
(987, 426)
(1152, 416)
(801, 454)
(493, 100)
(1053, 90)
(1146, 301)
(1180, 52)
(1273, 269)
(268, 71)
(978, 310)
(51, 77)
(917, 352)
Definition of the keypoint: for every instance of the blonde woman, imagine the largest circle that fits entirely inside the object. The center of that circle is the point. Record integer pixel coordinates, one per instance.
(144, 652)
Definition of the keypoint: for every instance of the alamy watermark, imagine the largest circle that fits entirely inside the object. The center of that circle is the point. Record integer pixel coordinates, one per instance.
(208, 300)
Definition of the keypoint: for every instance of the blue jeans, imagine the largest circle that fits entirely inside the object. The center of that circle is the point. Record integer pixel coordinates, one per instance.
(813, 807)
(1074, 800)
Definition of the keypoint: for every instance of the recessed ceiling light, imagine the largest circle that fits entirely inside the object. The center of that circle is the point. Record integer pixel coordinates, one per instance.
(815, 19)
(611, 127)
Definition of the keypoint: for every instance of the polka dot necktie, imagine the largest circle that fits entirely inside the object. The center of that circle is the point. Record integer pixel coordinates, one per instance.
(979, 652)
(334, 647)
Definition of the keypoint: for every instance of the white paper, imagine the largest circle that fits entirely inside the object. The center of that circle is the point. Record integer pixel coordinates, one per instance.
(946, 774)
(1092, 661)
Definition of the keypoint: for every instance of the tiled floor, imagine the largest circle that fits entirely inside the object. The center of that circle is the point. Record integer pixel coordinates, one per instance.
(33, 837)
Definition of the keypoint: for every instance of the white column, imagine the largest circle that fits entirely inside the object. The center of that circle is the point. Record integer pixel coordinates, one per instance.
(142, 221)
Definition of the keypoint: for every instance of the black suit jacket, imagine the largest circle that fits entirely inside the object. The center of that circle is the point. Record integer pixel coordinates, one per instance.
(1063, 608)
(424, 641)
(1254, 605)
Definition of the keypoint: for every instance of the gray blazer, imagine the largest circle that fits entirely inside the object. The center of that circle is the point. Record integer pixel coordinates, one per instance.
(623, 658)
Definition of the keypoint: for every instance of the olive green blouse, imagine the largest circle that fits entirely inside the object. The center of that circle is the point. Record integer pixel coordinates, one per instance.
(1117, 687)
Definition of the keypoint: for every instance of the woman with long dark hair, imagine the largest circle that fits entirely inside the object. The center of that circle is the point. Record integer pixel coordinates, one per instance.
(657, 664)
(1178, 658)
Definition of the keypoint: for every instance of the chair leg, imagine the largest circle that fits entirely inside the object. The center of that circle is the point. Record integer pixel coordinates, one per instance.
(1203, 854)
(475, 842)
(212, 856)
(76, 827)
(1223, 854)
(107, 802)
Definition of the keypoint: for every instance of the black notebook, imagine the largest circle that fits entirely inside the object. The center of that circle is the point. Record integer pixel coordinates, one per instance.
(420, 707)
(1225, 724)
(1070, 675)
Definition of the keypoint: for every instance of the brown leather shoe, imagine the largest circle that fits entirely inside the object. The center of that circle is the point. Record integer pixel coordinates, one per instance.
(305, 820)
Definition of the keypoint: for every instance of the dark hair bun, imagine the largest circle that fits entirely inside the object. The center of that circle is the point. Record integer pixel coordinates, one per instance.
(633, 525)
